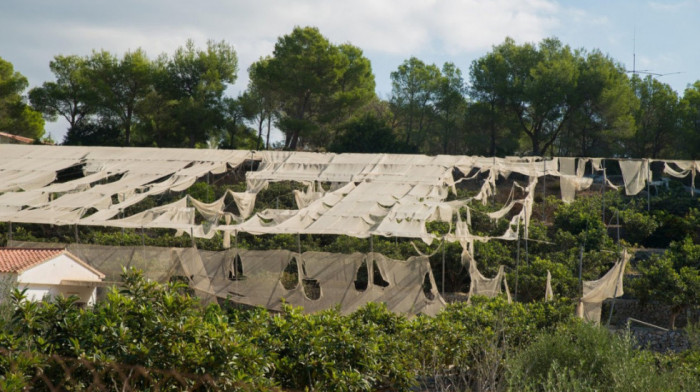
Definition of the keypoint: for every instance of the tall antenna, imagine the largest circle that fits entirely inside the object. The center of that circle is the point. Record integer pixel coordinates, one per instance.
(634, 60)
(634, 51)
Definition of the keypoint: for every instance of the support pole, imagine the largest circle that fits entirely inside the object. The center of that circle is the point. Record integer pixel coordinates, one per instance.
(618, 228)
(692, 181)
(544, 189)
(648, 186)
(299, 243)
(602, 189)
(527, 234)
(517, 267)
(443, 266)
(143, 245)
(9, 231)
(527, 253)
(75, 230)
(580, 270)
(612, 305)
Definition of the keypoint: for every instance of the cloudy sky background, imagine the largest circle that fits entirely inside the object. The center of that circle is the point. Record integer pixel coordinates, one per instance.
(666, 34)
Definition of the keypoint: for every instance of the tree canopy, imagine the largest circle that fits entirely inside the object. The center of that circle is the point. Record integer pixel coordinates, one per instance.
(171, 101)
(541, 98)
(549, 87)
(315, 85)
(16, 117)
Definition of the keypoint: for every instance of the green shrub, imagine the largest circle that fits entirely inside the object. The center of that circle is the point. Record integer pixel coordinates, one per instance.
(583, 357)
(638, 226)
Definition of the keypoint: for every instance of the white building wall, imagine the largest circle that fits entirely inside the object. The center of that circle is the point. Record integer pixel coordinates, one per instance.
(44, 280)
(55, 270)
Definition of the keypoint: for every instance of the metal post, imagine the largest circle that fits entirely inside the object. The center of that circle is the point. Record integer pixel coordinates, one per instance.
(443, 266)
(612, 305)
(648, 186)
(692, 183)
(580, 270)
(618, 228)
(527, 234)
(517, 267)
(143, 245)
(9, 234)
(77, 237)
(544, 189)
(299, 243)
(493, 195)
(602, 189)
(527, 253)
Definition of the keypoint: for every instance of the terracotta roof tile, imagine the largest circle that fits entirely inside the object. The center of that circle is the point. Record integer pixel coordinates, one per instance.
(19, 259)
(18, 138)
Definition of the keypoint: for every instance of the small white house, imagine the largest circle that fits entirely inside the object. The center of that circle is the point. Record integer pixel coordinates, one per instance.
(49, 273)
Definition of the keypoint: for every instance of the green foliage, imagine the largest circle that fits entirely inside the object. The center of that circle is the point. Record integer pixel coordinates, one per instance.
(657, 118)
(143, 324)
(532, 280)
(368, 134)
(486, 344)
(16, 117)
(583, 357)
(672, 279)
(638, 226)
(547, 88)
(315, 84)
(581, 222)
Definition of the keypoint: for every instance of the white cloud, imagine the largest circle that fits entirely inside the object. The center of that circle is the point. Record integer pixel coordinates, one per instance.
(668, 6)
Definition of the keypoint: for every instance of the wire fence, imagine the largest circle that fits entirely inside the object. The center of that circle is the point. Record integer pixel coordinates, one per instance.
(32, 371)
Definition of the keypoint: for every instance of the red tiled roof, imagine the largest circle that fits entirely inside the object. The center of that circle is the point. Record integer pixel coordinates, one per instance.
(19, 259)
(21, 139)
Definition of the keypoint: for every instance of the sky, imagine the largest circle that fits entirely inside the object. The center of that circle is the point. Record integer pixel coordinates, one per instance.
(656, 36)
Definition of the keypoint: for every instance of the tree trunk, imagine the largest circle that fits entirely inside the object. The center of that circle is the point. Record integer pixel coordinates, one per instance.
(260, 129)
(294, 140)
(492, 147)
(674, 315)
(535, 138)
(267, 141)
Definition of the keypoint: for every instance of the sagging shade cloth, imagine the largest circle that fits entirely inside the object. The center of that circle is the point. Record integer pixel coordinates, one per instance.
(329, 167)
(406, 287)
(548, 292)
(391, 195)
(488, 287)
(127, 175)
(635, 174)
(370, 208)
(596, 291)
(333, 275)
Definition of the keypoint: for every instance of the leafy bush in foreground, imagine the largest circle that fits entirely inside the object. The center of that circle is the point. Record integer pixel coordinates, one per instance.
(161, 328)
(583, 357)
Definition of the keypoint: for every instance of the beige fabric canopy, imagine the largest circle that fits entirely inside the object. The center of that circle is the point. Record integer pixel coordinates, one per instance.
(596, 291)
(371, 194)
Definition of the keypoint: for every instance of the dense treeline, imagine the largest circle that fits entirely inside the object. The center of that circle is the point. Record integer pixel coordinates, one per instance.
(543, 98)
(158, 330)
